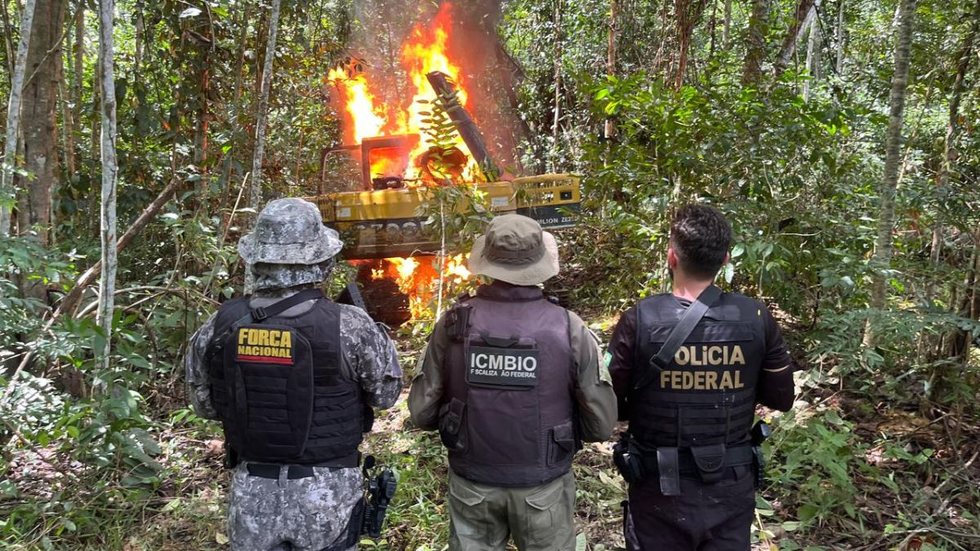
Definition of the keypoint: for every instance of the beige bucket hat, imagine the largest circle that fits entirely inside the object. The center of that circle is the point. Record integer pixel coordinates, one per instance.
(514, 249)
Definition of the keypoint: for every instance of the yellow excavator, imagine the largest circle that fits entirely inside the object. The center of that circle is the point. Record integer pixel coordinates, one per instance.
(384, 218)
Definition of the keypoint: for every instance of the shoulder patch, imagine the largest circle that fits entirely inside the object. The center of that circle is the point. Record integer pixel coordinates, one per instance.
(604, 375)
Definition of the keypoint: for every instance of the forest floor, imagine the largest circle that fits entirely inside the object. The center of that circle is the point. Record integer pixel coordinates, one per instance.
(906, 500)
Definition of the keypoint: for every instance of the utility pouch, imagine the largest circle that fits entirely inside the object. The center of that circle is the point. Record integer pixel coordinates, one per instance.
(451, 422)
(231, 456)
(668, 465)
(710, 461)
(628, 460)
(367, 418)
(458, 322)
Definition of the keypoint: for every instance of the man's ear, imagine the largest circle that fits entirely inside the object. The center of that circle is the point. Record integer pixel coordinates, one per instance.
(671, 258)
(728, 258)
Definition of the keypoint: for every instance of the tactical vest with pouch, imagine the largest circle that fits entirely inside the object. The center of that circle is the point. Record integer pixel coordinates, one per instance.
(508, 417)
(279, 389)
(696, 412)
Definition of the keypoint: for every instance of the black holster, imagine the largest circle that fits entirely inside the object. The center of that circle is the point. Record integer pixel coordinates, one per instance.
(451, 423)
(628, 459)
(760, 432)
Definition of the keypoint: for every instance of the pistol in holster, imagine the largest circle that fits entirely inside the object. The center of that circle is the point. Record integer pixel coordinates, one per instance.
(760, 432)
(380, 489)
(628, 459)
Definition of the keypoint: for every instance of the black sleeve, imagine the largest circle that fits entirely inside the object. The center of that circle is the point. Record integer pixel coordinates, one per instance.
(620, 359)
(775, 388)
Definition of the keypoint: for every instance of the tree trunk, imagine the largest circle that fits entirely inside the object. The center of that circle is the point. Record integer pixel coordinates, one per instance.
(755, 51)
(39, 115)
(610, 126)
(881, 260)
(950, 154)
(687, 13)
(107, 285)
(726, 33)
(78, 52)
(963, 57)
(804, 10)
(233, 122)
(255, 198)
(556, 113)
(812, 55)
(9, 161)
(839, 37)
(8, 38)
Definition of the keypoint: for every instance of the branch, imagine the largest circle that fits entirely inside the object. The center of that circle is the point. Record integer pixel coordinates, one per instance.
(71, 300)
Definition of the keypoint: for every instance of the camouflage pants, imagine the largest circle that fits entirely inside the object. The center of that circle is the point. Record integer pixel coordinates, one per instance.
(305, 514)
(483, 517)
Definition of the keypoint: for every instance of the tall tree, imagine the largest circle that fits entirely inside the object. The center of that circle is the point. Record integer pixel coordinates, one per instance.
(687, 13)
(610, 125)
(963, 57)
(812, 54)
(802, 16)
(9, 161)
(107, 284)
(255, 197)
(893, 147)
(755, 47)
(955, 344)
(39, 119)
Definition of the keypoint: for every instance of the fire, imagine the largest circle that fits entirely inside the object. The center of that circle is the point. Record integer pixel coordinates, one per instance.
(424, 51)
(418, 277)
(359, 102)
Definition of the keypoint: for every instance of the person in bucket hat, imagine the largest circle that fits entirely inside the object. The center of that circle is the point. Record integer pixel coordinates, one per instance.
(513, 384)
(293, 378)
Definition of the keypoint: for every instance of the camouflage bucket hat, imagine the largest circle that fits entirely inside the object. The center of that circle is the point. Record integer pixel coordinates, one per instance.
(289, 231)
(515, 250)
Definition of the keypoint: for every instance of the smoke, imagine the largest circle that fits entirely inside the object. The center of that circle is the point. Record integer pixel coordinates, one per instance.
(490, 73)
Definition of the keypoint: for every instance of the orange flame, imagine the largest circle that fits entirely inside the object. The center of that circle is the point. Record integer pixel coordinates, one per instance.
(425, 50)
(418, 277)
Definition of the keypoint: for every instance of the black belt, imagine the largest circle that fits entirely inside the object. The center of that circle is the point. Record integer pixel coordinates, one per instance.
(271, 470)
(739, 455)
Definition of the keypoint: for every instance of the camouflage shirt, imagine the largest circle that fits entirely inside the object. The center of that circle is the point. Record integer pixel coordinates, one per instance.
(367, 354)
(311, 512)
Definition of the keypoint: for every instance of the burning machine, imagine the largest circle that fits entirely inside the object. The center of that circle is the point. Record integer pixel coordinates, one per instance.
(405, 149)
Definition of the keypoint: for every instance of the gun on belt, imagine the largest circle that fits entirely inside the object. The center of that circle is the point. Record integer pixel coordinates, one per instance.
(760, 432)
(380, 489)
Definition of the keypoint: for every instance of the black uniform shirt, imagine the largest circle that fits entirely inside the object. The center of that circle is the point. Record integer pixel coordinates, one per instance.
(775, 386)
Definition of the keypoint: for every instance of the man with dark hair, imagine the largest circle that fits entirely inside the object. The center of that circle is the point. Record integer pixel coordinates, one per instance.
(293, 378)
(688, 368)
(513, 383)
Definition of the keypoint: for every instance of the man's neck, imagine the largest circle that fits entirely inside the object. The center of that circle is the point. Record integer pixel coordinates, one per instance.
(687, 288)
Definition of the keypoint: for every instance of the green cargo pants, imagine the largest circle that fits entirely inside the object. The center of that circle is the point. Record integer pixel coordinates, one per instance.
(539, 518)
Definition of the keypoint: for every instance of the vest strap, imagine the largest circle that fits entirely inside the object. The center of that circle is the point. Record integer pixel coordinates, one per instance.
(262, 313)
(679, 334)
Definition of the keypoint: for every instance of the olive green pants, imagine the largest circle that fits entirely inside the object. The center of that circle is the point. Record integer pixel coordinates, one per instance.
(538, 518)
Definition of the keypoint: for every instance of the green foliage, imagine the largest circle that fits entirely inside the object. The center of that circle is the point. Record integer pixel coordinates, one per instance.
(819, 456)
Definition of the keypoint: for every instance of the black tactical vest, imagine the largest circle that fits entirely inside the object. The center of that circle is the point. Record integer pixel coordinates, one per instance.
(707, 394)
(507, 416)
(279, 389)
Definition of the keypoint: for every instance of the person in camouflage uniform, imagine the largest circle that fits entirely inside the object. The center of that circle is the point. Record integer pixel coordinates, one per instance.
(303, 504)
